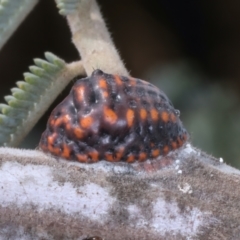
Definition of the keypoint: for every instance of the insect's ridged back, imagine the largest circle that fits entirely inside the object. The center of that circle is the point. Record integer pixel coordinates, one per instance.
(114, 118)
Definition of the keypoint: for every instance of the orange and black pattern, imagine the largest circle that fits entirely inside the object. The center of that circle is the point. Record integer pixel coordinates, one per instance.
(113, 118)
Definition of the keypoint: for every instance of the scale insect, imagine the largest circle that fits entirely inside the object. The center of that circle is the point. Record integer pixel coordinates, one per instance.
(114, 118)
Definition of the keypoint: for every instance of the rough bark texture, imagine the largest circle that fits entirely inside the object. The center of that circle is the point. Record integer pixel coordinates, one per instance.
(185, 195)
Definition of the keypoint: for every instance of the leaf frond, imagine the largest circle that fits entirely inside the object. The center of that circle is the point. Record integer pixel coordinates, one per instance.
(67, 7)
(12, 13)
(30, 99)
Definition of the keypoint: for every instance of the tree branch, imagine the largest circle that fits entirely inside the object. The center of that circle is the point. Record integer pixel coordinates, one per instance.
(194, 196)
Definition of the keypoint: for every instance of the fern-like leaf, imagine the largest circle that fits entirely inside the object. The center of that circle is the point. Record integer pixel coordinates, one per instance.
(31, 99)
(12, 13)
(67, 7)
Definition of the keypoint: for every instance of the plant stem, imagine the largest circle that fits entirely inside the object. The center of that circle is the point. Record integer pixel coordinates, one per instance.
(93, 41)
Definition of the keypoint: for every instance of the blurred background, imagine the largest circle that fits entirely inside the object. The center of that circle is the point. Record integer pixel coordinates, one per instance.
(189, 49)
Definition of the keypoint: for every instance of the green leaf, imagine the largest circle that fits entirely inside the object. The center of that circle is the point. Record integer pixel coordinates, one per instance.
(67, 7)
(54, 59)
(9, 122)
(23, 95)
(28, 98)
(35, 80)
(16, 103)
(28, 87)
(49, 67)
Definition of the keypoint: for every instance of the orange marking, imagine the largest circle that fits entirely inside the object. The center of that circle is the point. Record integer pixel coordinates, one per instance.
(155, 153)
(143, 114)
(154, 114)
(105, 94)
(54, 150)
(119, 154)
(165, 150)
(86, 122)
(78, 132)
(174, 145)
(51, 138)
(142, 156)
(132, 81)
(130, 117)
(110, 115)
(68, 126)
(94, 155)
(165, 116)
(109, 157)
(64, 119)
(118, 80)
(130, 158)
(52, 122)
(58, 121)
(82, 158)
(80, 93)
(66, 151)
(173, 117)
(180, 142)
(184, 137)
(103, 83)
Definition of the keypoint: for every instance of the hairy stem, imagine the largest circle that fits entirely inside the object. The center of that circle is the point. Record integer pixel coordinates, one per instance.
(93, 41)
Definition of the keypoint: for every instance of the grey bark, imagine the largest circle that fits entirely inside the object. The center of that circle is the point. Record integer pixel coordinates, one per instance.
(185, 195)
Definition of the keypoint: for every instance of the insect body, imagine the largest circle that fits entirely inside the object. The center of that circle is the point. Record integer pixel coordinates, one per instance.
(113, 118)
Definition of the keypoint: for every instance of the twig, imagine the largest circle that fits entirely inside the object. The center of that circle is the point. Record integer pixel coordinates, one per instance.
(93, 41)
(195, 197)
